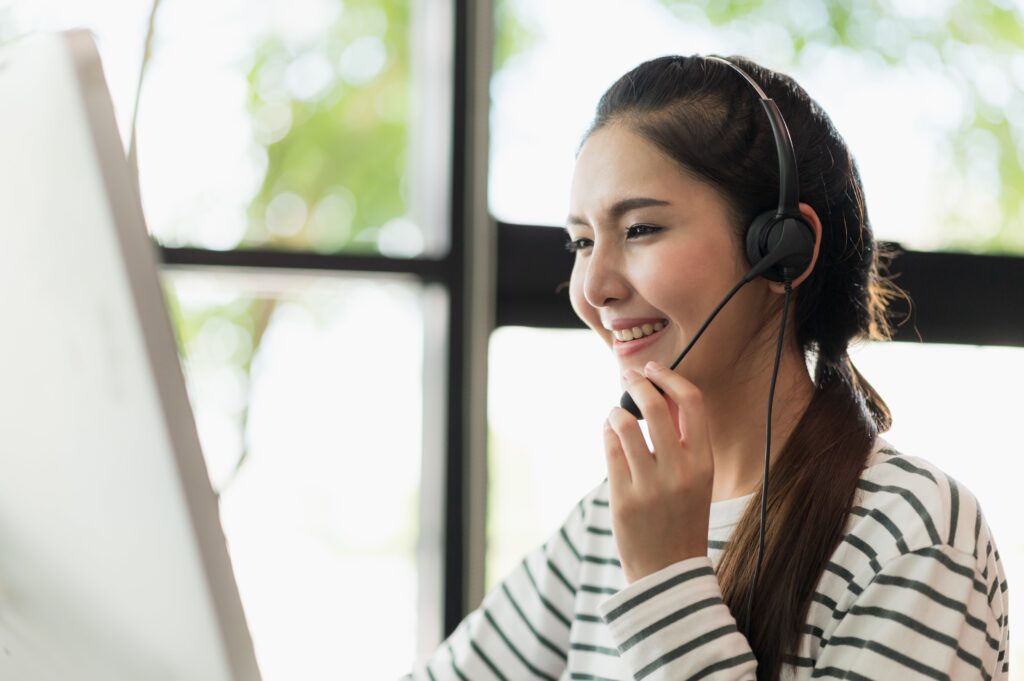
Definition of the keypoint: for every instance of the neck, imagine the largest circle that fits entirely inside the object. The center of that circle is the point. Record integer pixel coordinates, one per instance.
(737, 413)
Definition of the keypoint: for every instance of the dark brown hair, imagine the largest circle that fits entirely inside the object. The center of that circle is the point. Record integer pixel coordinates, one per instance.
(704, 116)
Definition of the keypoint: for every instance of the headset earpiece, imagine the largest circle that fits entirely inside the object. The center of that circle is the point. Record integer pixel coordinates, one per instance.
(786, 242)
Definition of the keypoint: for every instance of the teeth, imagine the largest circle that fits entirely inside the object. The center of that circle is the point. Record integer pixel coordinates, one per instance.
(638, 331)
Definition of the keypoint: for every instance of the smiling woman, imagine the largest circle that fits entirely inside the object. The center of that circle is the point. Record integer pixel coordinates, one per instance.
(876, 563)
(683, 256)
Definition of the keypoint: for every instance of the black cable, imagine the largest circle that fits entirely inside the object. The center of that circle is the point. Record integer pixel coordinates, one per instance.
(767, 452)
(714, 313)
(627, 402)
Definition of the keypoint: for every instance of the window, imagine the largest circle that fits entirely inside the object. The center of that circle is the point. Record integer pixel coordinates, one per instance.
(307, 393)
(295, 162)
(930, 100)
(290, 129)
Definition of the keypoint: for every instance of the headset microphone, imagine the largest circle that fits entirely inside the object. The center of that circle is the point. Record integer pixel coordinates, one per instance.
(779, 246)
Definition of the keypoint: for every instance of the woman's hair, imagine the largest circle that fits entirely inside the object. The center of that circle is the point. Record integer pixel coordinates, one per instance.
(710, 121)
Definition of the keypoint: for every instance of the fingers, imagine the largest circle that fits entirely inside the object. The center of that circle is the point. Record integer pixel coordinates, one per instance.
(626, 429)
(619, 477)
(659, 503)
(662, 418)
(691, 420)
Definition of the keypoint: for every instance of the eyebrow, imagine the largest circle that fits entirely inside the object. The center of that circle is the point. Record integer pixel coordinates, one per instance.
(620, 208)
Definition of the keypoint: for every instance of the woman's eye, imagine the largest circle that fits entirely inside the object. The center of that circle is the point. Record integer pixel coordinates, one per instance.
(573, 245)
(646, 229)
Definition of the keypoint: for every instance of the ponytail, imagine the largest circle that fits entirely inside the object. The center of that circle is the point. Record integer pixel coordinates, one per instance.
(810, 493)
(873, 402)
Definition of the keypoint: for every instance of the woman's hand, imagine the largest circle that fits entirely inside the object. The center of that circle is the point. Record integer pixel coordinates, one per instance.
(660, 500)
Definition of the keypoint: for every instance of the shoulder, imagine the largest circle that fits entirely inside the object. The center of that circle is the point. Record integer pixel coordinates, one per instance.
(590, 515)
(914, 529)
(906, 504)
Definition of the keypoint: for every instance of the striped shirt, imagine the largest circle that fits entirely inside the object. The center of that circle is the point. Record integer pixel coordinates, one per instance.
(914, 590)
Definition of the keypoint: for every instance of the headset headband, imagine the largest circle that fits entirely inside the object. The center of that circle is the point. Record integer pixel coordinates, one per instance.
(789, 184)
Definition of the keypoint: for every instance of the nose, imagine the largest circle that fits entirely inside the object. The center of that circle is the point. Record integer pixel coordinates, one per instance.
(604, 281)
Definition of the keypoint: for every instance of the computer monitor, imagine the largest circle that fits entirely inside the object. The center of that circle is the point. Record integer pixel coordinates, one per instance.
(113, 564)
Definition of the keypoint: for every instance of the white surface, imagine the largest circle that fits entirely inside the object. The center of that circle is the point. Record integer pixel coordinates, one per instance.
(101, 573)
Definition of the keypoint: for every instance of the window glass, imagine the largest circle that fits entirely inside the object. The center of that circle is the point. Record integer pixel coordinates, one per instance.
(261, 123)
(299, 423)
(548, 394)
(956, 406)
(929, 97)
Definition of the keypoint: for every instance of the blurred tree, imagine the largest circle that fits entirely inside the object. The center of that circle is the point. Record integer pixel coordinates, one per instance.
(513, 33)
(251, 317)
(333, 116)
(336, 173)
(978, 45)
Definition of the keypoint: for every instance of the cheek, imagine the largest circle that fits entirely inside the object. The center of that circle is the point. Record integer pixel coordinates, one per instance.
(668, 274)
(683, 282)
(702, 261)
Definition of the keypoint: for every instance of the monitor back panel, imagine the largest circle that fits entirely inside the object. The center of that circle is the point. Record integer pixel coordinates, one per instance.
(112, 560)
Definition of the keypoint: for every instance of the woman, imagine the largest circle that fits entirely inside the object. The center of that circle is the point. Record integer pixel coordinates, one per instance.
(876, 565)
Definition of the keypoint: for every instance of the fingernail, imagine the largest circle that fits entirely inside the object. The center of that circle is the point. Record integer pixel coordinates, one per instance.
(631, 374)
(653, 366)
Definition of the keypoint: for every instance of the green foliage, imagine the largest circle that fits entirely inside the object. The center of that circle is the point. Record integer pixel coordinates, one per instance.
(251, 316)
(970, 35)
(347, 142)
(512, 34)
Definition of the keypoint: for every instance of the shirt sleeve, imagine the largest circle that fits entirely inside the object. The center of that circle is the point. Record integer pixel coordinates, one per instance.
(521, 629)
(673, 624)
(930, 612)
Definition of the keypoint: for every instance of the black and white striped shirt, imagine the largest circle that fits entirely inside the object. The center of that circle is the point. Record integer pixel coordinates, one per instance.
(914, 590)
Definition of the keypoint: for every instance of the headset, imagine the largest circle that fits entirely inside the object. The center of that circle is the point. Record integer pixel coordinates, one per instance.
(779, 246)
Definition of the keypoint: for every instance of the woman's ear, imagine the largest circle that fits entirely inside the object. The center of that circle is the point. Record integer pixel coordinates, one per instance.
(815, 223)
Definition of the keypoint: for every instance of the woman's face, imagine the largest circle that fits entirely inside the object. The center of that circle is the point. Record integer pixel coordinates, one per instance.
(657, 245)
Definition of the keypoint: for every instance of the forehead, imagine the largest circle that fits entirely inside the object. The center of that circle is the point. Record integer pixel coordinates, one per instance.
(616, 163)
